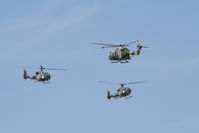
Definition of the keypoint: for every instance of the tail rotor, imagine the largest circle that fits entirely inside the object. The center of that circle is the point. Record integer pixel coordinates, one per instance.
(140, 45)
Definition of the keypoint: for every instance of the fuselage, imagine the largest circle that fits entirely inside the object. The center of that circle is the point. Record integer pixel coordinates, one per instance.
(124, 91)
(120, 53)
(42, 76)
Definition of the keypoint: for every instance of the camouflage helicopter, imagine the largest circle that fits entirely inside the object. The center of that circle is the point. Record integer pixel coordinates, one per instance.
(40, 76)
(122, 54)
(122, 91)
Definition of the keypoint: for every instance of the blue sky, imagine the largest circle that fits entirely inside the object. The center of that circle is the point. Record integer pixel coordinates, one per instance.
(57, 34)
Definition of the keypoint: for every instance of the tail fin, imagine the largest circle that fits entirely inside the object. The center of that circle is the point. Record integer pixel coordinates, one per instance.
(108, 94)
(137, 51)
(25, 75)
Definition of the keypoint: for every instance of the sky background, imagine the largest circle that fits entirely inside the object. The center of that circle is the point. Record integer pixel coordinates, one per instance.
(58, 33)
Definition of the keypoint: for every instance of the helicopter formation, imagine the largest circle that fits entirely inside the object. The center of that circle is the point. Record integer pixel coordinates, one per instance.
(119, 55)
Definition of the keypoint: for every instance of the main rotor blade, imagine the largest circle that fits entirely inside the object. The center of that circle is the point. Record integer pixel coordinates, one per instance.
(135, 82)
(56, 69)
(41, 67)
(123, 83)
(109, 45)
(134, 42)
(117, 45)
(104, 44)
(109, 82)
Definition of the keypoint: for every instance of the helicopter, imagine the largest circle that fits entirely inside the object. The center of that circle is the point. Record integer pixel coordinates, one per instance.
(40, 76)
(122, 54)
(122, 91)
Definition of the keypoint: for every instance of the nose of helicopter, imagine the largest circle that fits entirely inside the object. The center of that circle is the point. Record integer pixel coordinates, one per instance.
(47, 76)
(129, 91)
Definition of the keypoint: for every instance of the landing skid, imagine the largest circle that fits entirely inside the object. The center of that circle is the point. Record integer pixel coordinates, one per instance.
(124, 62)
(116, 97)
(120, 62)
(115, 62)
(44, 82)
